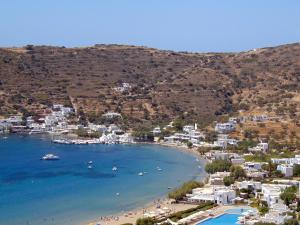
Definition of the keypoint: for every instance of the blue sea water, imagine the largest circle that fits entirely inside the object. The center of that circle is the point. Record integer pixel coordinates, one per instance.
(66, 192)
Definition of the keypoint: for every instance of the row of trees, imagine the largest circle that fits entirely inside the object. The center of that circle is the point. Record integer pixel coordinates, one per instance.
(187, 187)
(218, 165)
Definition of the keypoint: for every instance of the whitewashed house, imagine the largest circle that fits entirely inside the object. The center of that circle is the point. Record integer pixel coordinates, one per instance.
(156, 131)
(218, 194)
(225, 127)
(112, 115)
(271, 193)
(237, 161)
(250, 185)
(286, 169)
(260, 147)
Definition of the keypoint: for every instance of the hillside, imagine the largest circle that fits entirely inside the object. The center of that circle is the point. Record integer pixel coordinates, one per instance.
(163, 84)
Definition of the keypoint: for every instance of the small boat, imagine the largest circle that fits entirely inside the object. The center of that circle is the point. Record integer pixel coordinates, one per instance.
(50, 157)
(90, 167)
(114, 168)
(169, 188)
(199, 167)
(90, 162)
(117, 194)
(140, 173)
(159, 169)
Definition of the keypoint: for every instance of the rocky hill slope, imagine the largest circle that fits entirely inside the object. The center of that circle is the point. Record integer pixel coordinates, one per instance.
(162, 84)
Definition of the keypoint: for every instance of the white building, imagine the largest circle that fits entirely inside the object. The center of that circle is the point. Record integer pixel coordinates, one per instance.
(260, 147)
(253, 165)
(225, 127)
(193, 136)
(250, 185)
(290, 161)
(271, 192)
(223, 140)
(156, 131)
(260, 118)
(111, 115)
(217, 194)
(277, 214)
(286, 169)
(237, 161)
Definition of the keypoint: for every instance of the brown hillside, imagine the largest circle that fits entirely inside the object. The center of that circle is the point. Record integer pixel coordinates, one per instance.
(164, 84)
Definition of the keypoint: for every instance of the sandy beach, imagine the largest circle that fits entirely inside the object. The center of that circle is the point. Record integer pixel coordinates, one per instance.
(131, 216)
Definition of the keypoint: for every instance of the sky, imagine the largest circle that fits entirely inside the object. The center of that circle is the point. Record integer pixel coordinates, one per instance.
(180, 25)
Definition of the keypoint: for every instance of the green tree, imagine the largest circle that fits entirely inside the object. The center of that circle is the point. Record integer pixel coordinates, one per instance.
(288, 195)
(237, 172)
(211, 136)
(189, 144)
(228, 181)
(178, 124)
(291, 222)
(218, 166)
(145, 221)
(263, 209)
(296, 170)
(186, 188)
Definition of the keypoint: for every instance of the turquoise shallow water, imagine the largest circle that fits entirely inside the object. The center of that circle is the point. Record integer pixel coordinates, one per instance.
(67, 192)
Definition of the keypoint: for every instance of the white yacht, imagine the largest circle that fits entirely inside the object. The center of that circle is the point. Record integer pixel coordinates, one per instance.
(159, 169)
(90, 167)
(140, 173)
(114, 168)
(90, 162)
(50, 157)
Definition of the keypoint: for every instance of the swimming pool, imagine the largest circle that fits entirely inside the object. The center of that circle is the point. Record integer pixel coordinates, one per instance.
(229, 218)
(225, 219)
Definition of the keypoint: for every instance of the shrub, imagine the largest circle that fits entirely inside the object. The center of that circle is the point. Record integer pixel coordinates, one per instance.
(237, 172)
(296, 170)
(228, 181)
(288, 195)
(186, 188)
(218, 166)
(145, 221)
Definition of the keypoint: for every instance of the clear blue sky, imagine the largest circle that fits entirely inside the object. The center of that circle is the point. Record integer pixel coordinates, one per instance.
(191, 25)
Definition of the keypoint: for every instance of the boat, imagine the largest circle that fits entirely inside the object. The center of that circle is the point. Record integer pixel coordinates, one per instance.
(117, 194)
(114, 168)
(159, 169)
(90, 162)
(90, 167)
(140, 173)
(50, 157)
(61, 141)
